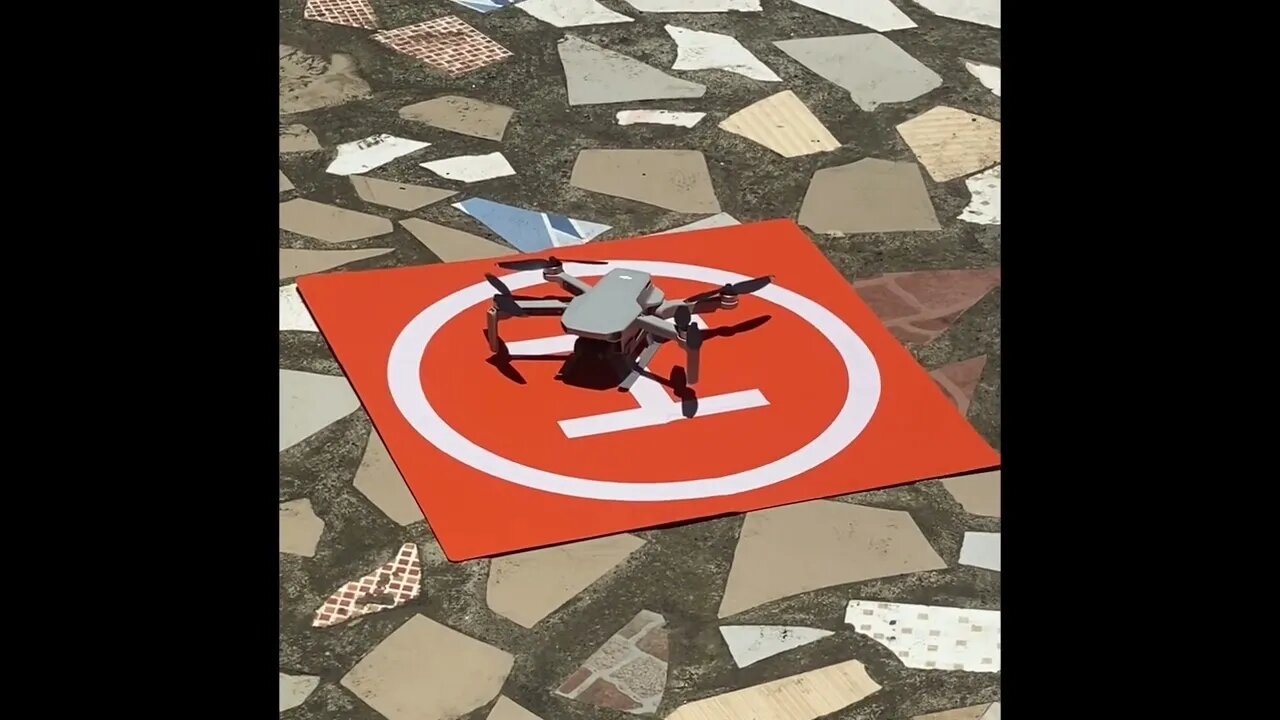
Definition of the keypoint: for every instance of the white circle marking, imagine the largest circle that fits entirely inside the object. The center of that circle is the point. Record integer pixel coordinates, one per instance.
(404, 379)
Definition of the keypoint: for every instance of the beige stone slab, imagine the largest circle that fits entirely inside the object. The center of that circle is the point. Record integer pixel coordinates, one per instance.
(783, 124)
(673, 179)
(294, 690)
(528, 586)
(978, 494)
(378, 479)
(310, 82)
(508, 709)
(310, 402)
(329, 223)
(806, 696)
(300, 529)
(401, 196)
(973, 712)
(466, 116)
(285, 183)
(798, 548)
(866, 196)
(452, 245)
(427, 671)
(952, 143)
(297, 138)
(295, 263)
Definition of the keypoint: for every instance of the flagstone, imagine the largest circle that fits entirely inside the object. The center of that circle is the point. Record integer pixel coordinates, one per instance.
(799, 548)
(596, 76)
(783, 124)
(959, 380)
(528, 586)
(452, 245)
(508, 709)
(427, 671)
(309, 82)
(870, 195)
(471, 168)
(988, 75)
(401, 196)
(673, 179)
(572, 13)
(981, 549)
(300, 529)
(285, 183)
(701, 50)
(870, 66)
(329, 223)
(879, 15)
(296, 138)
(806, 696)
(295, 263)
(952, 143)
(295, 689)
(749, 644)
(310, 403)
(462, 115)
(294, 314)
(918, 306)
(629, 672)
(973, 712)
(979, 12)
(378, 480)
(977, 493)
(366, 154)
(984, 198)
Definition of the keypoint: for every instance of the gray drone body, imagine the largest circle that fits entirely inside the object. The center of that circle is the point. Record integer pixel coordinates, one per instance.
(622, 319)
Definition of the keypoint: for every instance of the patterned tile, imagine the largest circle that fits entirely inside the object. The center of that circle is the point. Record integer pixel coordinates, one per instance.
(984, 198)
(445, 43)
(919, 306)
(352, 13)
(952, 143)
(530, 230)
(390, 586)
(485, 6)
(628, 672)
(959, 380)
(928, 637)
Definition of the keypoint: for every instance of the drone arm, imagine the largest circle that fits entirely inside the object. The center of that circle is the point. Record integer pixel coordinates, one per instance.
(667, 310)
(530, 307)
(569, 283)
(661, 328)
(654, 326)
(542, 307)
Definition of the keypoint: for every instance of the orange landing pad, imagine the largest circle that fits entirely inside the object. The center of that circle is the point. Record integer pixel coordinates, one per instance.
(803, 394)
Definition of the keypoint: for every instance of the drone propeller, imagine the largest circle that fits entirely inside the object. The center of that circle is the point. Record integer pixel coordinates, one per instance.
(508, 305)
(547, 263)
(683, 318)
(693, 337)
(745, 287)
(497, 284)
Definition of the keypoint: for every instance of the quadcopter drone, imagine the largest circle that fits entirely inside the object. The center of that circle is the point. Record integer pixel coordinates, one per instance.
(621, 320)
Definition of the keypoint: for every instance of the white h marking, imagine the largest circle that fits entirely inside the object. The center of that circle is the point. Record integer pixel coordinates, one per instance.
(656, 407)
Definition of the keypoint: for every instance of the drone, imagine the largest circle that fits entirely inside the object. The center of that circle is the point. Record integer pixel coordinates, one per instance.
(620, 321)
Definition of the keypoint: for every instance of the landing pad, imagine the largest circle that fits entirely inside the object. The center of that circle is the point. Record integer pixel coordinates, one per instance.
(803, 394)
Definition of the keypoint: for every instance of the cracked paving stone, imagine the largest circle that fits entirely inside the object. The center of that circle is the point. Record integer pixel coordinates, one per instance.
(452, 245)
(508, 709)
(952, 143)
(528, 586)
(572, 13)
(879, 15)
(378, 480)
(806, 696)
(749, 644)
(285, 183)
(981, 549)
(979, 12)
(919, 306)
(329, 223)
(977, 493)
(629, 672)
(428, 671)
(310, 403)
(309, 82)
(297, 138)
(462, 115)
(973, 712)
(295, 263)
(868, 196)
(783, 124)
(701, 50)
(294, 314)
(295, 689)
(401, 196)
(799, 548)
(300, 529)
(597, 76)
(959, 380)
(673, 179)
(870, 66)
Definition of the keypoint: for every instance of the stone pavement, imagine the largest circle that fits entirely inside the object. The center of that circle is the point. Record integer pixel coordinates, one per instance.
(444, 130)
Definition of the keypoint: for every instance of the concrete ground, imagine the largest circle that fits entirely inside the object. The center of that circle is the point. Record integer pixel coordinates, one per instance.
(679, 572)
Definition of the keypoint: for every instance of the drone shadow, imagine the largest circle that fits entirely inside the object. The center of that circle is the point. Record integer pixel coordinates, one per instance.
(596, 373)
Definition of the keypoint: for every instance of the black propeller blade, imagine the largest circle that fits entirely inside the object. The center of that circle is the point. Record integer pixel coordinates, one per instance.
(551, 261)
(745, 287)
(683, 318)
(497, 284)
(508, 305)
(693, 337)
